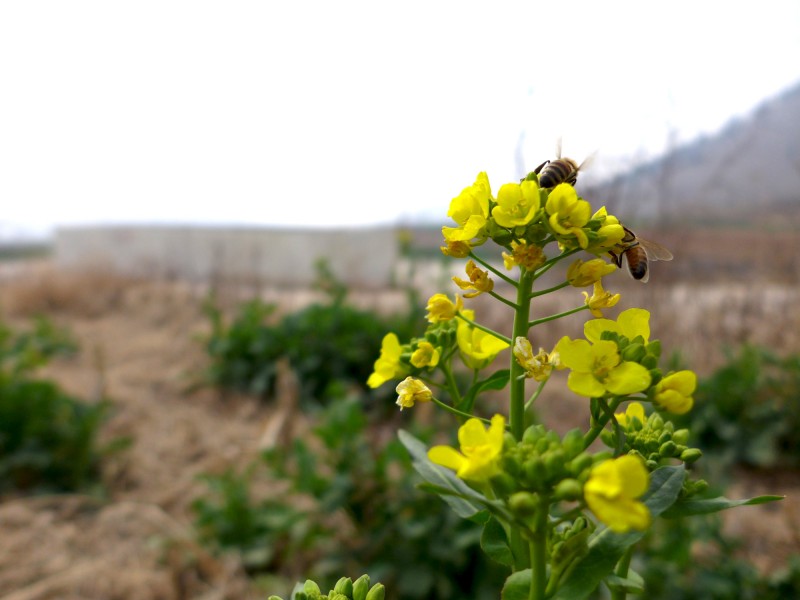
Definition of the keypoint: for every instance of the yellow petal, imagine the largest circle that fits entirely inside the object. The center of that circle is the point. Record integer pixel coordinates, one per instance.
(446, 457)
(585, 384)
(628, 378)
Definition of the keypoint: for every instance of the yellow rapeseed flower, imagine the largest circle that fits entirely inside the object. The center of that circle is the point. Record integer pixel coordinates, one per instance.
(597, 368)
(635, 410)
(537, 367)
(480, 450)
(568, 214)
(456, 249)
(470, 209)
(600, 298)
(674, 392)
(412, 390)
(630, 323)
(477, 347)
(610, 232)
(528, 256)
(581, 274)
(388, 364)
(479, 280)
(426, 355)
(612, 491)
(441, 308)
(517, 204)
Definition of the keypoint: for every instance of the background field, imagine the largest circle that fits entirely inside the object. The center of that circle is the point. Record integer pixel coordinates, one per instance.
(140, 347)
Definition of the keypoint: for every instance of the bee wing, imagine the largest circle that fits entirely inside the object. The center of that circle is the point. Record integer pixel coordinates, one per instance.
(655, 251)
(558, 148)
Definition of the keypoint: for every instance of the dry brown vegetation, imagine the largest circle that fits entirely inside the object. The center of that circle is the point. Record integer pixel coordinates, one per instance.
(139, 342)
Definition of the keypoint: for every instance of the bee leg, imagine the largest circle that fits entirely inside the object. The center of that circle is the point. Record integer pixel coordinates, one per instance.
(538, 169)
(617, 259)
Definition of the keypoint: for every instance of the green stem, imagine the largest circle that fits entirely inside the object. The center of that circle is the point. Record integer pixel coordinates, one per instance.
(622, 571)
(489, 267)
(517, 372)
(516, 409)
(566, 313)
(503, 300)
(598, 425)
(452, 386)
(549, 264)
(538, 550)
(499, 336)
(536, 394)
(457, 412)
(555, 288)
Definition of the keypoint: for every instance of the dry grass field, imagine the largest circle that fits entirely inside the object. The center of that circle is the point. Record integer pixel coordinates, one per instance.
(140, 347)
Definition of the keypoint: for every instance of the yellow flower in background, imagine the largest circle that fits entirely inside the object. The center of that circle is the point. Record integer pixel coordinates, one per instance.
(581, 274)
(528, 256)
(635, 410)
(426, 355)
(479, 280)
(441, 308)
(388, 364)
(480, 450)
(674, 392)
(612, 491)
(567, 213)
(597, 368)
(537, 367)
(469, 209)
(517, 204)
(412, 390)
(600, 299)
(631, 323)
(456, 249)
(478, 348)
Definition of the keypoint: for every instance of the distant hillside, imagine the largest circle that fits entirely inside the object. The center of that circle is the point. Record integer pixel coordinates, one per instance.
(750, 170)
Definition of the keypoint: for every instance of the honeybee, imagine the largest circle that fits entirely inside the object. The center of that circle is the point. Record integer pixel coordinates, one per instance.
(637, 252)
(561, 170)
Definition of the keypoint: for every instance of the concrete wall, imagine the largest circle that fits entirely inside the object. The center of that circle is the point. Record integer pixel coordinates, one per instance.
(358, 257)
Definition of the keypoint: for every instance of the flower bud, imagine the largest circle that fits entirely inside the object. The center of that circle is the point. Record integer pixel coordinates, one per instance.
(554, 462)
(664, 437)
(334, 595)
(274, 598)
(656, 422)
(573, 443)
(377, 592)
(534, 470)
(652, 465)
(360, 587)
(522, 504)
(503, 484)
(311, 589)
(667, 449)
(654, 348)
(609, 438)
(690, 455)
(344, 586)
(681, 436)
(568, 489)
(580, 463)
(634, 353)
(533, 433)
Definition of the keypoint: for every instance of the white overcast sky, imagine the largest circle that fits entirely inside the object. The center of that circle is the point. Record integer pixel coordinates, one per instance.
(352, 113)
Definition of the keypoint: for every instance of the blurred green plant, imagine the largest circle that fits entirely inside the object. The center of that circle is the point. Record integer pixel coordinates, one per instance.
(47, 437)
(347, 501)
(326, 343)
(693, 559)
(747, 412)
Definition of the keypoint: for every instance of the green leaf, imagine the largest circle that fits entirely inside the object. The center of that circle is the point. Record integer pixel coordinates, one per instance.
(632, 584)
(517, 586)
(607, 547)
(496, 381)
(687, 508)
(495, 543)
(458, 492)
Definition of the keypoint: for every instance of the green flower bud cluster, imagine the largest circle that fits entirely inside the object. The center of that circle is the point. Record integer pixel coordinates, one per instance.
(345, 589)
(637, 351)
(655, 440)
(568, 545)
(543, 463)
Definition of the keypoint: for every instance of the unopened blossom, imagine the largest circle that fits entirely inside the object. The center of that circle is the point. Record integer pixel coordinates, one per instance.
(674, 392)
(600, 298)
(426, 355)
(412, 390)
(612, 490)
(441, 308)
(581, 274)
